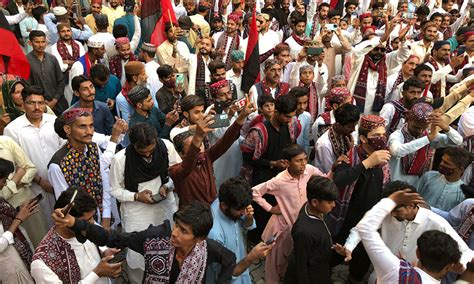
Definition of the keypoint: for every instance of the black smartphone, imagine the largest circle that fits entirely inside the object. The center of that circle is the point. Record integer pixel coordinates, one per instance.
(220, 120)
(272, 239)
(315, 50)
(120, 256)
(158, 197)
(37, 198)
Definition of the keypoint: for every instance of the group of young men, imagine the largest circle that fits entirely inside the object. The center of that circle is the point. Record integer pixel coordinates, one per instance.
(154, 161)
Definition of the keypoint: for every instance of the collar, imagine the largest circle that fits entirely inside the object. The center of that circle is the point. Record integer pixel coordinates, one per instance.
(290, 177)
(421, 216)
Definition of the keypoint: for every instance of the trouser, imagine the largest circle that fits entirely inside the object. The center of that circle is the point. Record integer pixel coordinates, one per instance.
(135, 276)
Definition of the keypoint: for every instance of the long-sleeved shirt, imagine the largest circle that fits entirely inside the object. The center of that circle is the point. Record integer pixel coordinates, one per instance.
(53, 30)
(180, 62)
(194, 177)
(303, 138)
(386, 264)
(193, 71)
(439, 192)
(103, 119)
(399, 149)
(156, 118)
(443, 75)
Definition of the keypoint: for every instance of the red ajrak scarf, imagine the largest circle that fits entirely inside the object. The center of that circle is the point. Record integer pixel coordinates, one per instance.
(115, 64)
(282, 89)
(467, 225)
(360, 90)
(7, 214)
(416, 163)
(435, 88)
(340, 144)
(59, 256)
(298, 40)
(200, 73)
(313, 99)
(222, 44)
(64, 52)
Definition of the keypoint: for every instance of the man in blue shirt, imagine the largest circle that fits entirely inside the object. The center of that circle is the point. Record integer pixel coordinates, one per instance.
(85, 91)
(107, 86)
(232, 213)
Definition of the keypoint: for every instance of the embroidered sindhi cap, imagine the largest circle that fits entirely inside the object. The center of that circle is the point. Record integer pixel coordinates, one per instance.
(270, 62)
(214, 88)
(338, 95)
(73, 114)
(121, 41)
(421, 112)
(138, 93)
(370, 122)
(234, 17)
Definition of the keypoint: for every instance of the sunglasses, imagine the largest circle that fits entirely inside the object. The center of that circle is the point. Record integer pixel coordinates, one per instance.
(380, 49)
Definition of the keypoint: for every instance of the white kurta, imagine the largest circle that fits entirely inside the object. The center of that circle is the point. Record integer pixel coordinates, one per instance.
(237, 80)
(55, 52)
(193, 71)
(88, 258)
(39, 145)
(153, 82)
(137, 216)
(295, 47)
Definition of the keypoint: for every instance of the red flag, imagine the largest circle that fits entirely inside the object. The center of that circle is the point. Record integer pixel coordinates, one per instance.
(167, 15)
(12, 59)
(252, 60)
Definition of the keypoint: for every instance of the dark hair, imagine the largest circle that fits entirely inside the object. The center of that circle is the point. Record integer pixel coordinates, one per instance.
(77, 81)
(191, 101)
(377, 5)
(446, 1)
(168, 26)
(59, 127)
(437, 249)
(37, 12)
(435, 15)
(142, 135)
(164, 71)
(262, 100)
(460, 156)
(395, 186)
(83, 203)
(151, 54)
(286, 104)
(423, 10)
(279, 48)
(119, 31)
(29, 90)
(347, 113)
(214, 65)
(36, 33)
(351, 2)
(321, 188)
(103, 24)
(323, 5)
(100, 71)
(463, 30)
(422, 67)
(292, 151)
(413, 82)
(298, 19)
(333, 13)
(6, 168)
(299, 92)
(198, 216)
(235, 193)
(202, 8)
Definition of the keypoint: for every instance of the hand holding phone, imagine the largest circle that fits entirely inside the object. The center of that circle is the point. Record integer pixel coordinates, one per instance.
(68, 207)
(272, 239)
(120, 256)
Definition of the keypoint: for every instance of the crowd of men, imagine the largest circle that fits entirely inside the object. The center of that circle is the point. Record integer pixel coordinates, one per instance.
(127, 161)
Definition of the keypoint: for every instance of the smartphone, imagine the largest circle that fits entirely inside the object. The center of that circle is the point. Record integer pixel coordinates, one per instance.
(315, 51)
(179, 78)
(37, 198)
(272, 239)
(220, 120)
(208, 109)
(241, 102)
(69, 206)
(408, 15)
(219, 107)
(158, 197)
(353, 16)
(120, 256)
(461, 49)
(331, 27)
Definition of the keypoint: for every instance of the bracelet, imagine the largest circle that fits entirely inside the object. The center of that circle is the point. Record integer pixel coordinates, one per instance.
(21, 221)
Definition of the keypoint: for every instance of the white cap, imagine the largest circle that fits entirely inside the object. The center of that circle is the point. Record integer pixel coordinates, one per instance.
(176, 131)
(59, 11)
(95, 42)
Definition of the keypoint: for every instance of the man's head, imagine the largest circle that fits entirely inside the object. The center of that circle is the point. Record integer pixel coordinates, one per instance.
(422, 13)
(423, 73)
(37, 40)
(135, 73)
(233, 23)
(351, 6)
(372, 133)
(454, 162)
(264, 21)
(334, 17)
(203, 7)
(235, 194)
(441, 51)
(338, 81)
(430, 32)
(273, 70)
(306, 74)
(408, 67)
(100, 75)
(323, 10)
(217, 69)
(446, 21)
(141, 98)
(60, 13)
(113, 3)
(468, 39)
(300, 26)
(402, 212)
(102, 22)
(338, 97)
(285, 109)
(83, 88)
(96, 7)
(79, 126)
(192, 224)
(282, 53)
(377, 53)
(192, 107)
(220, 92)
(237, 58)
(297, 159)
(436, 18)
(95, 47)
(302, 98)
(64, 31)
(122, 44)
(347, 116)
(411, 92)
(204, 45)
(33, 101)
(143, 137)
(119, 31)
(170, 31)
(366, 20)
(190, 6)
(167, 76)
(38, 13)
(84, 204)
(322, 194)
(447, 5)
(148, 52)
(417, 119)
(6, 168)
(266, 106)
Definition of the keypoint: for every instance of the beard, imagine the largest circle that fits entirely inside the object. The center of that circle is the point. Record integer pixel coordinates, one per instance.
(230, 216)
(203, 51)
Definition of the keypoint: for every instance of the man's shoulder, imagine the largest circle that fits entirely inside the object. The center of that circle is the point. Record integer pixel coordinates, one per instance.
(101, 106)
(17, 123)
